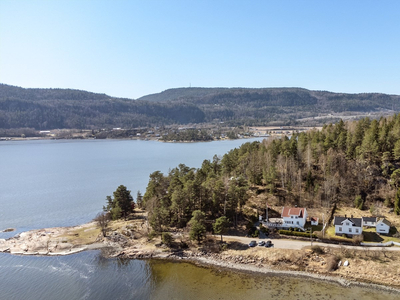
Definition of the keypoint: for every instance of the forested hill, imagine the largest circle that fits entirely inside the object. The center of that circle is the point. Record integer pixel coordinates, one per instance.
(277, 105)
(263, 97)
(44, 109)
(16, 93)
(345, 164)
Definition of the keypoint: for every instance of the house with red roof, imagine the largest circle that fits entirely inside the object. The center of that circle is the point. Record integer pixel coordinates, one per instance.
(294, 216)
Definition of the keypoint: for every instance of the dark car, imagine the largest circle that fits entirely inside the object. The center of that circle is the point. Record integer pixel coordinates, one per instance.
(252, 244)
(269, 244)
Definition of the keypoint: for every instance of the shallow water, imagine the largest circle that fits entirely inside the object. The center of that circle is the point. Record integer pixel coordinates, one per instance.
(89, 276)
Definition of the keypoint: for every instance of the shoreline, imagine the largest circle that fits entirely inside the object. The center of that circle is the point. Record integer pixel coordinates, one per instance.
(268, 271)
(62, 241)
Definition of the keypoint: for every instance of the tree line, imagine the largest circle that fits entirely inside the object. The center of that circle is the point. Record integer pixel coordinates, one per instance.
(344, 164)
(354, 163)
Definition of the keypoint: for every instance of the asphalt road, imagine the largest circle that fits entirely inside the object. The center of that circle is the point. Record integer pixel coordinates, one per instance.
(294, 244)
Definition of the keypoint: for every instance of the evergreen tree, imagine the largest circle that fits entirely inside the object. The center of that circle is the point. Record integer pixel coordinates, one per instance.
(139, 200)
(197, 226)
(121, 204)
(221, 226)
(397, 203)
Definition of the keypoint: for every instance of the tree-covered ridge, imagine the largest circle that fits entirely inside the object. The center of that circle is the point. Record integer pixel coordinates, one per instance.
(45, 109)
(269, 97)
(251, 106)
(342, 164)
(16, 93)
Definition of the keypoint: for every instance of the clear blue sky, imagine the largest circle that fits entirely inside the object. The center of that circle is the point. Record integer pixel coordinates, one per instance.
(133, 48)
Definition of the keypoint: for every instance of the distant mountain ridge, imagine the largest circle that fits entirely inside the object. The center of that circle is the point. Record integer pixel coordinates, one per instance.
(67, 108)
(14, 92)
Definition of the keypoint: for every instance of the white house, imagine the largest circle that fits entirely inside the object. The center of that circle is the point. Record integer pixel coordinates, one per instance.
(369, 221)
(314, 221)
(294, 216)
(348, 226)
(383, 226)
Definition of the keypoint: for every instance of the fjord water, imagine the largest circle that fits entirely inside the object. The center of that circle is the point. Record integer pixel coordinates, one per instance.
(62, 183)
(65, 182)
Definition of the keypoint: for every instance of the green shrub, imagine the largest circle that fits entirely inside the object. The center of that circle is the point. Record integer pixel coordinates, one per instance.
(263, 229)
(256, 233)
(359, 202)
(166, 238)
(152, 235)
(296, 233)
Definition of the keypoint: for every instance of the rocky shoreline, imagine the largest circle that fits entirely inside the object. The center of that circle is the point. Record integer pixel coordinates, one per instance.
(246, 265)
(70, 240)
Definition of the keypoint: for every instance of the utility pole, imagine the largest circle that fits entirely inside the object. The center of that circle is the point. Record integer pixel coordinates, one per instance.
(266, 211)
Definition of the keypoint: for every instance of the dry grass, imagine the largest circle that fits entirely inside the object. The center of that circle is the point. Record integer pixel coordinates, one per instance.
(382, 266)
(82, 235)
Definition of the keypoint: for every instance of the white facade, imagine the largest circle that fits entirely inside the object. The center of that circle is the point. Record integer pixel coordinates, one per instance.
(348, 226)
(369, 221)
(382, 226)
(294, 217)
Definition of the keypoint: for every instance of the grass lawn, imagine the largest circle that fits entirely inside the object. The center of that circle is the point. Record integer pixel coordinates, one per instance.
(330, 233)
(370, 235)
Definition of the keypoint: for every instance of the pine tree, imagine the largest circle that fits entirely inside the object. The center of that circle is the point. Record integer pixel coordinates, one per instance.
(397, 203)
(197, 226)
(221, 225)
(121, 204)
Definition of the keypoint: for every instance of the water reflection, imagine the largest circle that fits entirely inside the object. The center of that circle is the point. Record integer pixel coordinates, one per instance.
(88, 275)
(175, 280)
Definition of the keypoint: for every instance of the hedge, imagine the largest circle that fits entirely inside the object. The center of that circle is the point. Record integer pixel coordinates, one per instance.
(296, 233)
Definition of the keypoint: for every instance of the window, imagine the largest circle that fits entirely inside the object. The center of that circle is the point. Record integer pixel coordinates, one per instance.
(356, 230)
(347, 224)
(340, 228)
(291, 217)
(350, 230)
(298, 223)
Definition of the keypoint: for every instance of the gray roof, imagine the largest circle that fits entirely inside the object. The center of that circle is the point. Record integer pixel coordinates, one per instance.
(385, 222)
(369, 219)
(356, 221)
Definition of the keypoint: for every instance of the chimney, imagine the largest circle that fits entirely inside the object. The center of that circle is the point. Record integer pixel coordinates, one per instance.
(345, 216)
(352, 216)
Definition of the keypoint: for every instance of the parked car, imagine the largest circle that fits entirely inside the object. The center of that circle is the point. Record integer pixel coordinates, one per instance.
(269, 244)
(252, 244)
(261, 243)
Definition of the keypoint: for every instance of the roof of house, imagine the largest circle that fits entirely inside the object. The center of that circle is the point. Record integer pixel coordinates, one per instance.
(313, 219)
(384, 221)
(355, 221)
(369, 219)
(293, 211)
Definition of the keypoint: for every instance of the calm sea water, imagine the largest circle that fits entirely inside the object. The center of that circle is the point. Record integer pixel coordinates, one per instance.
(62, 183)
